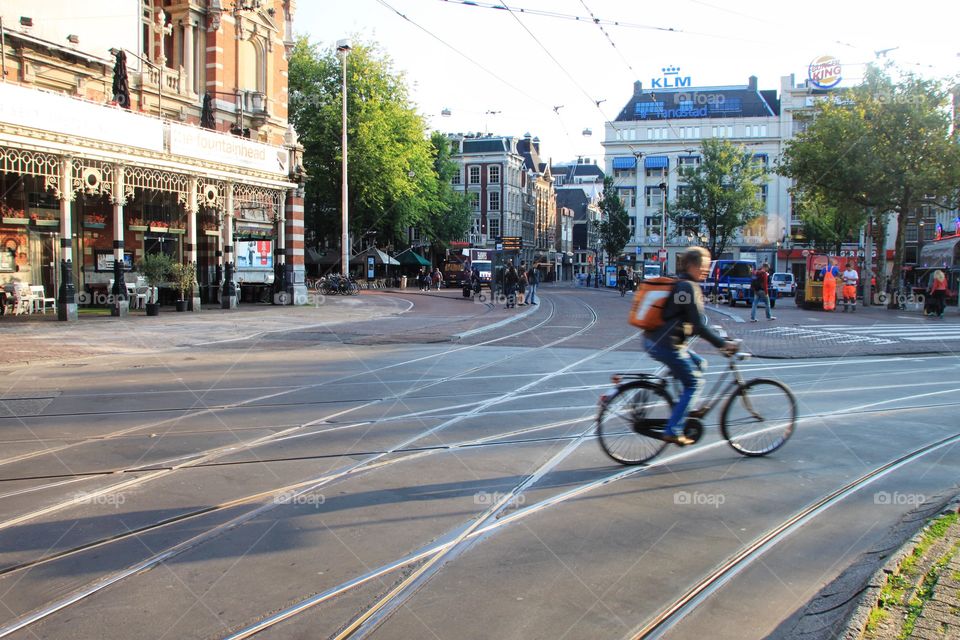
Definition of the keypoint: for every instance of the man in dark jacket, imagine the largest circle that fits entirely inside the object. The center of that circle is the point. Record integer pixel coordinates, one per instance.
(684, 318)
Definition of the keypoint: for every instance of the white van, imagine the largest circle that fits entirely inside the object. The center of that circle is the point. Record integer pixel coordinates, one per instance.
(651, 271)
(783, 283)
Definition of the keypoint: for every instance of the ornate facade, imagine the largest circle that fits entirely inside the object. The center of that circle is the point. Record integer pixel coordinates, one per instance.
(90, 186)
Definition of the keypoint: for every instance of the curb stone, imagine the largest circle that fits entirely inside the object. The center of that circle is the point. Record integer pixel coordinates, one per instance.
(868, 600)
(841, 608)
(496, 325)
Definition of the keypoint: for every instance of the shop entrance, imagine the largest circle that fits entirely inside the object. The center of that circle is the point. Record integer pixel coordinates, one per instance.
(44, 252)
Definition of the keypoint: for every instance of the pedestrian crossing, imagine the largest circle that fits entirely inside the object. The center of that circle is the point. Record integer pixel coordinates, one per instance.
(879, 334)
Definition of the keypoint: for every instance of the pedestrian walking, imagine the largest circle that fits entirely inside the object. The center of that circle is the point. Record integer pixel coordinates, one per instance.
(510, 279)
(475, 281)
(421, 275)
(938, 293)
(533, 282)
(437, 278)
(850, 279)
(427, 282)
(760, 287)
(522, 285)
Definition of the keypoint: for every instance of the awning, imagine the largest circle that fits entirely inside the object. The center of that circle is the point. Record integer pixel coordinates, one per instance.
(941, 254)
(656, 162)
(624, 162)
(412, 258)
(379, 257)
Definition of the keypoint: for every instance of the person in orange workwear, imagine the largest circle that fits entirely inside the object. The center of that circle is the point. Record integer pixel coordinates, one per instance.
(830, 273)
(850, 280)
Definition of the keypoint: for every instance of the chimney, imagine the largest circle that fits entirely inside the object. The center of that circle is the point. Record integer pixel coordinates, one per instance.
(752, 83)
(637, 87)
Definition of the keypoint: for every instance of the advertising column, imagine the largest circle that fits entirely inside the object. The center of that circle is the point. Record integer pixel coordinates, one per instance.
(190, 246)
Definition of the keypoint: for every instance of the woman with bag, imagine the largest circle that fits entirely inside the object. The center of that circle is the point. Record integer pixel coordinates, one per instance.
(938, 293)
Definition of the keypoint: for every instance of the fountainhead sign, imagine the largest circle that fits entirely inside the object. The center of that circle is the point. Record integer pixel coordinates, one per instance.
(824, 72)
(194, 142)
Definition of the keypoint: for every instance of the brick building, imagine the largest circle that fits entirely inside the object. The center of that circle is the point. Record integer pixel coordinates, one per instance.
(93, 180)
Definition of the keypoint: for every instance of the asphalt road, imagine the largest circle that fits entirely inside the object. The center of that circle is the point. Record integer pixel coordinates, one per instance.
(346, 484)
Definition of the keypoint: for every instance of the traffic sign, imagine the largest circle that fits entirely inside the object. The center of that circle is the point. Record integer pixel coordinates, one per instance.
(663, 255)
(639, 250)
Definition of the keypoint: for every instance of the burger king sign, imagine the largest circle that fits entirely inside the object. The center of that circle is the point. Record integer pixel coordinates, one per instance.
(825, 72)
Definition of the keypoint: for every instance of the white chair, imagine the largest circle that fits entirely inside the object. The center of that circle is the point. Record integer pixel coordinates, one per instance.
(22, 298)
(39, 298)
(138, 295)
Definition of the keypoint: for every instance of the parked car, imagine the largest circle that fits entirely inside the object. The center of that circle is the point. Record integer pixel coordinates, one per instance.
(784, 283)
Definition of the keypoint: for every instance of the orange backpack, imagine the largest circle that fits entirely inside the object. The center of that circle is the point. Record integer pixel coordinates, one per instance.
(650, 301)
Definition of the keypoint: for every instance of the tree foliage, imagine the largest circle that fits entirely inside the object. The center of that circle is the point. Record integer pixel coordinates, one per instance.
(884, 145)
(826, 224)
(614, 225)
(392, 165)
(721, 195)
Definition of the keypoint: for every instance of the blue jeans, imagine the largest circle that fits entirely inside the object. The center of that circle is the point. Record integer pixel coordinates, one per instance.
(532, 293)
(760, 297)
(685, 366)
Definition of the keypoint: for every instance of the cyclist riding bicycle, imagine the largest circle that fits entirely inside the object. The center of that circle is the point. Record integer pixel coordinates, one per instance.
(622, 280)
(684, 317)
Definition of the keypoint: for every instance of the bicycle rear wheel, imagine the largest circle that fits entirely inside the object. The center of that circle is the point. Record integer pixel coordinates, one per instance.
(633, 409)
(759, 417)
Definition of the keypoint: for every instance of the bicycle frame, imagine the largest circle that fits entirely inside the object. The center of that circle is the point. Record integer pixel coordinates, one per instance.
(722, 388)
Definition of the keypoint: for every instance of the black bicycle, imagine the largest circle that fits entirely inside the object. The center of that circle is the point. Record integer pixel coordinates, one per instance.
(622, 284)
(758, 416)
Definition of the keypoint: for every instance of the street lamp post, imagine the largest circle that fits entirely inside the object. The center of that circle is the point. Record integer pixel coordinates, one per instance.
(343, 47)
(663, 229)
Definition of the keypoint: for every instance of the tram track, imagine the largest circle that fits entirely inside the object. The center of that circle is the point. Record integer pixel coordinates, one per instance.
(373, 462)
(659, 623)
(416, 453)
(287, 391)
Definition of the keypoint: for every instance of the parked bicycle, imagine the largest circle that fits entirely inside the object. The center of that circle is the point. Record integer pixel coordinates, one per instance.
(758, 417)
(337, 285)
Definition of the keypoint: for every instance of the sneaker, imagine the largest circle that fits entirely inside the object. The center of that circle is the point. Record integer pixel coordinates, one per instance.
(772, 318)
(680, 440)
(753, 319)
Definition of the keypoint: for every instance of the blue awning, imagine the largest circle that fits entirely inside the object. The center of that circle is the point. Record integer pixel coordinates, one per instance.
(627, 162)
(656, 162)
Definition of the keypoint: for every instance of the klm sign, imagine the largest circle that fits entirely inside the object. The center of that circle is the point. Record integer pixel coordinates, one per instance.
(671, 79)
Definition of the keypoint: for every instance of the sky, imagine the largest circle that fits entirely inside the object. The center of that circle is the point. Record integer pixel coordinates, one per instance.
(518, 71)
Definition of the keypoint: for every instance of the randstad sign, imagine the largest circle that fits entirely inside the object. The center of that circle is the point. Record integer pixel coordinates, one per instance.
(671, 79)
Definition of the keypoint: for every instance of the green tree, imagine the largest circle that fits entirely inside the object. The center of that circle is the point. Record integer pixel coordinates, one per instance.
(884, 145)
(449, 214)
(614, 225)
(826, 226)
(721, 195)
(392, 179)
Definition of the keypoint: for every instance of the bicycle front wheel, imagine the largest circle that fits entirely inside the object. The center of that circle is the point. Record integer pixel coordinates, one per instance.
(759, 417)
(635, 408)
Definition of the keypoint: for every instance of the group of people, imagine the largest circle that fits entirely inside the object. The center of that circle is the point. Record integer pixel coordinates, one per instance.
(429, 279)
(520, 285)
(849, 280)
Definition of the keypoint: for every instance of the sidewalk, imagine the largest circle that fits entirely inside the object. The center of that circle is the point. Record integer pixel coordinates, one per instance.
(375, 317)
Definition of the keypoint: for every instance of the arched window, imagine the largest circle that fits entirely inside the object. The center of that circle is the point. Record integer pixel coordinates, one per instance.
(248, 64)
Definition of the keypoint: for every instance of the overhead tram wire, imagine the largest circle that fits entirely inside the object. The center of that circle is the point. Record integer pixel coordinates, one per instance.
(463, 55)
